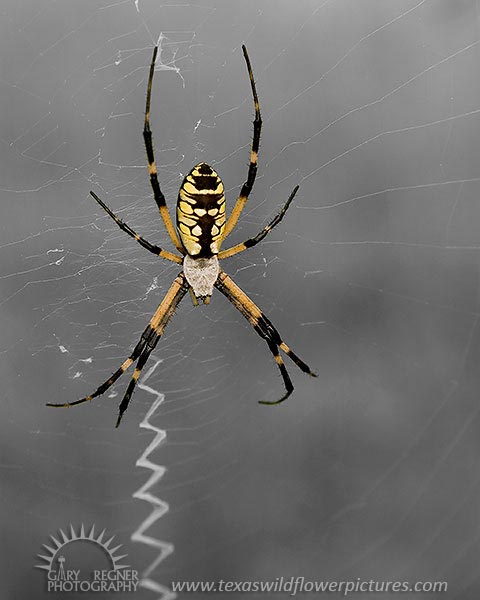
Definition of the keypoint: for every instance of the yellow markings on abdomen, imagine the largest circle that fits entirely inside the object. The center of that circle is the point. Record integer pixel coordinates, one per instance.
(201, 212)
(186, 208)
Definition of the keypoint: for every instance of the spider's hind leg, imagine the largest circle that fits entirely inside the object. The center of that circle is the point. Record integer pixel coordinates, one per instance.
(135, 377)
(264, 328)
(118, 373)
(283, 370)
(143, 349)
(297, 360)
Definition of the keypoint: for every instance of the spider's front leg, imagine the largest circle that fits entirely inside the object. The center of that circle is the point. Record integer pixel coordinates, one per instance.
(252, 167)
(152, 167)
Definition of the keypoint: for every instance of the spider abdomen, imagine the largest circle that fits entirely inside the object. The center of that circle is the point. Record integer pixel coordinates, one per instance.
(201, 212)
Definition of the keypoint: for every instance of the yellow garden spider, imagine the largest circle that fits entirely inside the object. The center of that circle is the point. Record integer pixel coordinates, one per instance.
(202, 227)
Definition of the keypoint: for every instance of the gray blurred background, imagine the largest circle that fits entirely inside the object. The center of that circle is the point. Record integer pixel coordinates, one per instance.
(373, 107)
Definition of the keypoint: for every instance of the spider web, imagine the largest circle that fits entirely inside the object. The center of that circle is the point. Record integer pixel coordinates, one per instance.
(374, 109)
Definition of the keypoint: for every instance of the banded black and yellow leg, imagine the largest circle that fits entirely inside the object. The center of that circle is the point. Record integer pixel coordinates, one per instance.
(283, 370)
(259, 237)
(134, 380)
(152, 168)
(264, 328)
(148, 340)
(157, 325)
(142, 241)
(147, 334)
(252, 168)
(296, 359)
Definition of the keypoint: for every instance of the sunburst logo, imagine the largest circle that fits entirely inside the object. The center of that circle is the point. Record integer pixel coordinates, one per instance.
(64, 577)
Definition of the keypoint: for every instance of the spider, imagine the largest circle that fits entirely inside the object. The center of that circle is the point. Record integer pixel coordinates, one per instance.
(202, 226)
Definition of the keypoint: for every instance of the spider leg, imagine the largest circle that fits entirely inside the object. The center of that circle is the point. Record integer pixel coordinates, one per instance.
(158, 323)
(264, 328)
(252, 168)
(135, 377)
(146, 343)
(259, 237)
(283, 370)
(118, 373)
(142, 241)
(152, 168)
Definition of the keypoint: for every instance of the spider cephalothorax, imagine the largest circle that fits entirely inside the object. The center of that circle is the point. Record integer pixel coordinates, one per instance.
(201, 274)
(202, 227)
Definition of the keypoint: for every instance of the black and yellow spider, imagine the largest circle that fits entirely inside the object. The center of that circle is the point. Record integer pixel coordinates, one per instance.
(202, 227)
